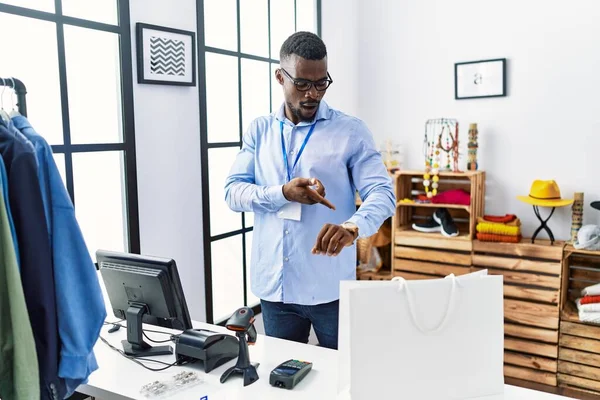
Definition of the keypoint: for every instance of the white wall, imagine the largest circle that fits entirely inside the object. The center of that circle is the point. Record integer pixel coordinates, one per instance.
(167, 131)
(548, 126)
(340, 34)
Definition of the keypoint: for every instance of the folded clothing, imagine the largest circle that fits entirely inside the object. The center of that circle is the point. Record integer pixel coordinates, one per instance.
(453, 196)
(591, 317)
(503, 219)
(512, 222)
(590, 299)
(498, 229)
(493, 237)
(588, 307)
(593, 290)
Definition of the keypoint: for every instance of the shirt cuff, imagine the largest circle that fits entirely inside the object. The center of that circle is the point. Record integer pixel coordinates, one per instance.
(275, 193)
(362, 227)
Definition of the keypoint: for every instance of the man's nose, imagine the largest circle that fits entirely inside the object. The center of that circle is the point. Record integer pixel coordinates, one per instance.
(312, 93)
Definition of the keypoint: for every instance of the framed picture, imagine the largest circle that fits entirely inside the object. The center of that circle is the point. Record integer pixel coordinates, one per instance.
(165, 56)
(477, 79)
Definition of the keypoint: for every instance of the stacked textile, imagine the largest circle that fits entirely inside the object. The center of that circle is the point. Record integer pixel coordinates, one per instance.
(589, 304)
(493, 228)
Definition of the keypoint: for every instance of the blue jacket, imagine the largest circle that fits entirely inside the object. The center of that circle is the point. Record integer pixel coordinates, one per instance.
(37, 275)
(80, 304)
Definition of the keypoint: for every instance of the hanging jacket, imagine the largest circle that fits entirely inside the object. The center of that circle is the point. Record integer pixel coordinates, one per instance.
(11, 223)
(79, 322)
(19, 374)
(37, 274)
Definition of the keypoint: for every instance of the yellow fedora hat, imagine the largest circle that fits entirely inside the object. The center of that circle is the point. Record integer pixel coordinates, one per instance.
(545, 194)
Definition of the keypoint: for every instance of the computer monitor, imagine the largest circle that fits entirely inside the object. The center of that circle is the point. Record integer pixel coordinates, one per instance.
(144, 289)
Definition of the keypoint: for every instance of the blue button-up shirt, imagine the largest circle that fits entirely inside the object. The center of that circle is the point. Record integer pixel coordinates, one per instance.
(341, 153)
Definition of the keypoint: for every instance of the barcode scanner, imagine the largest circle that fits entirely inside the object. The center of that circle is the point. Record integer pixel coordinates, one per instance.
(242, 323)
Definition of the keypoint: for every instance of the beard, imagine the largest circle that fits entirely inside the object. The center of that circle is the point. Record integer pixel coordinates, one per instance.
(298, 112)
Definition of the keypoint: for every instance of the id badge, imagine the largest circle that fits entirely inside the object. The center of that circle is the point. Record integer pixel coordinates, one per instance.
(291, 211)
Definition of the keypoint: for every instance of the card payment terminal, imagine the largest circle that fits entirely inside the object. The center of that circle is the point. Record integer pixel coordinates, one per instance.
(289, 373)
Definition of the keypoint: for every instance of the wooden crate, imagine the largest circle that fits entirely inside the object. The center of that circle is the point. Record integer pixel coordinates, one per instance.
(430, 258)
(410, 183)
(579, 342)
(532, 283)
(374, 276)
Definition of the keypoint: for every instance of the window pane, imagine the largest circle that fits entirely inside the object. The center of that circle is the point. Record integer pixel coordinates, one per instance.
(227, 277)
(222, 219)
(254, 20)
(59, 159)
(276, 90)
(34, 60)
(94, 83)
(252, 299)
(42, 5)
(306, 15)
(248, 219)
(222, 98)
(98, 180)
(220, 24)
(255, 90)
(282, 24)
(97, 10)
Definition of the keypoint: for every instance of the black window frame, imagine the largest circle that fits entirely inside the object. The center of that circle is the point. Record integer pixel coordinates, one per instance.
(208, 239)
(127, 146)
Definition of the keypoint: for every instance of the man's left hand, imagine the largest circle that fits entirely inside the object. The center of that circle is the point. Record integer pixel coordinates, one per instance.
(332, 239)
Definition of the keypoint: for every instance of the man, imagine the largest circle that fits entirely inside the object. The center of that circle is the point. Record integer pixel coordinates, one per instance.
(303, 241)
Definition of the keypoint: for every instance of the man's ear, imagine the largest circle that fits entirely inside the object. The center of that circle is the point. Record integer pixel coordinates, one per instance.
(279, 76)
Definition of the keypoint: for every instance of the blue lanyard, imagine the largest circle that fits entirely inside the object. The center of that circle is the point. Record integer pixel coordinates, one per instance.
(285, 157)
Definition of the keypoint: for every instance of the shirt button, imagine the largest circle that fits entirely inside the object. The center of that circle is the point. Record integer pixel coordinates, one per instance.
(292, 152)
(286, 259)
(287, 232)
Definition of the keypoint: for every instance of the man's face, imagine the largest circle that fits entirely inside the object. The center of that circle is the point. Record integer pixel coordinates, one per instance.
(302, 105)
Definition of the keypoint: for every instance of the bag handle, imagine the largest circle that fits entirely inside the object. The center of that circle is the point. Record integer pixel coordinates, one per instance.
(449, 307)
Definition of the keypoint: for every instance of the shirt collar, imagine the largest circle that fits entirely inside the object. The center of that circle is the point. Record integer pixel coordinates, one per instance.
(322, 113)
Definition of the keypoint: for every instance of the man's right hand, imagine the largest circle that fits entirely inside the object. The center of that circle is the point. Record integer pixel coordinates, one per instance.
(299, 190)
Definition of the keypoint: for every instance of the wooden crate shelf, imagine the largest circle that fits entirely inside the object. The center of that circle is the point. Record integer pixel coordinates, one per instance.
(532, 283)
(579, 342)
(374, 276)
(409, 184)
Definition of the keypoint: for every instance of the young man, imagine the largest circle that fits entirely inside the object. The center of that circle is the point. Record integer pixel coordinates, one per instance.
(303, 240)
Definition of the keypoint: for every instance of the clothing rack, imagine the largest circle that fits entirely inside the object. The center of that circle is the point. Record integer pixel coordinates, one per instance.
(20, 90)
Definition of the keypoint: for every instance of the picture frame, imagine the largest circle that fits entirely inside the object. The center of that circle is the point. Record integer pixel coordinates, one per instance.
(165, 56)
(480, 79)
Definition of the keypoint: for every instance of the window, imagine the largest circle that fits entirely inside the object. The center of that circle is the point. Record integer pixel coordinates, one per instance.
(239, 42)
(74, 58)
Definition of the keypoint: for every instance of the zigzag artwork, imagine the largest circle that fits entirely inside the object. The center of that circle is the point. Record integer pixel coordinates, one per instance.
(167, 56)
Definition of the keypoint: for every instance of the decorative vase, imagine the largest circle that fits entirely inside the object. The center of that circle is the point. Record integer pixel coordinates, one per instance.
(577, 217)
(472, 146)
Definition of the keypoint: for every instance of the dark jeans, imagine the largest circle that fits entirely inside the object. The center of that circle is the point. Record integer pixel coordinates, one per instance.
(292, 322)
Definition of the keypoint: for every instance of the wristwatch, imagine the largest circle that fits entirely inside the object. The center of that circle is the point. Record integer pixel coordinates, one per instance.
(351, 227)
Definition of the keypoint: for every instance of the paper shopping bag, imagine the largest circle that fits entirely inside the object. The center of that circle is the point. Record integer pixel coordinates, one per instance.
(428, 339)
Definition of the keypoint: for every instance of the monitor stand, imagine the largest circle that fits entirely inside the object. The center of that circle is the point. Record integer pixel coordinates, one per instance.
(135, 345)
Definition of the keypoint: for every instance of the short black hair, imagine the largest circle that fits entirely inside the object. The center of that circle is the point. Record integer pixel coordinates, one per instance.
(304, 44)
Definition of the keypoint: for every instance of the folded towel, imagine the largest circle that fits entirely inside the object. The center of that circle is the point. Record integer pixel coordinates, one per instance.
(492, 237)
(498, 229)
(593, 290)
(591, 317)
(590, 299)
(589, 307)
(503, 219)
(513, 222)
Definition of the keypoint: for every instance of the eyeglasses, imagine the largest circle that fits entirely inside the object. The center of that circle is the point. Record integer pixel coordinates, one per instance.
(304, 85)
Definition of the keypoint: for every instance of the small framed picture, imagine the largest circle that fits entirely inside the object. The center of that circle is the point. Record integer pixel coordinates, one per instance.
(478, 79)
(165, 56)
